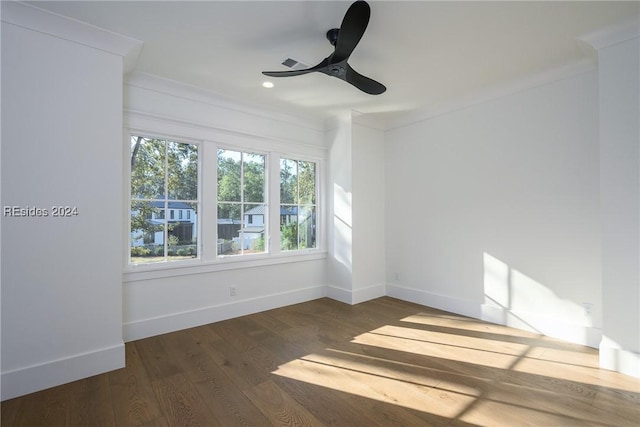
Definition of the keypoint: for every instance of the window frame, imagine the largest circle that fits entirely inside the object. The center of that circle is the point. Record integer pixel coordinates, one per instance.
(209, 140)
(162, 212)
(266, 202)
(299, 205)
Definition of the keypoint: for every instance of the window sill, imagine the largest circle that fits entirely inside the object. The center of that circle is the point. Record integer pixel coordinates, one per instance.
(183, 268)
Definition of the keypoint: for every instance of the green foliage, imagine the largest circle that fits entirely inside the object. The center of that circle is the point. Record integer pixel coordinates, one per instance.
(173, 241)
(289, 237)
(307, 182)
(140, 251)
(288, 181)
(297, 182)
(241, 179)
(259, 244)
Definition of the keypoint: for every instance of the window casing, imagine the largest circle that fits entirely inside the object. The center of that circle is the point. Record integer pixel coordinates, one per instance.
(247, 213)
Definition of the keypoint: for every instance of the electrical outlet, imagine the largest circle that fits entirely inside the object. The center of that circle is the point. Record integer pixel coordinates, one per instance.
(588, 308)
(232, 291)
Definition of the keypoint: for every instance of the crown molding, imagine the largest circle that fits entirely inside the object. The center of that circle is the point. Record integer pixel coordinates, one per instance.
(614, 34)
(46, 22)
(197, 94)
(495, 92)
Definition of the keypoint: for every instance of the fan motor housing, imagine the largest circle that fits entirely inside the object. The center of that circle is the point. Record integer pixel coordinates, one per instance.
(332, 36)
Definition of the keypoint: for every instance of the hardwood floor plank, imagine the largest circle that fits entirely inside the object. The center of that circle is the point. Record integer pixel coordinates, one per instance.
(89, 403)
(181, 403)
(226, 400)
(155, 359)
(44, 408)
(135, 404)
(279, 407)
(10, 410)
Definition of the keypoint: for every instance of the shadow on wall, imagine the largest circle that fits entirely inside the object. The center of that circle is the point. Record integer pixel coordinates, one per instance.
(514, 299)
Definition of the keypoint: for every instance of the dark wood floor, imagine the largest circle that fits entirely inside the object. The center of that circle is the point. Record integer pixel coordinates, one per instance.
(380, 363)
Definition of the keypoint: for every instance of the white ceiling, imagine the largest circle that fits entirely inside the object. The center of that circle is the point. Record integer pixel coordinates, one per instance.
(429, 54)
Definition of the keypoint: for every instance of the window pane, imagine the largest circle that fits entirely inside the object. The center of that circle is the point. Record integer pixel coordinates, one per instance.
(288, 228)
(182, 168)
(148, 245)
(307, 182)
(307, 227)
(254, 178)
(165, 173)
(183, 237)
(251, 237)
(229, 224)
(147, 168)
(229, 184)
(288, 181)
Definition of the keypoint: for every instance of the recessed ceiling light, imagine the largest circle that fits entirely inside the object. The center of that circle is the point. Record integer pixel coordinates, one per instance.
(268, 85)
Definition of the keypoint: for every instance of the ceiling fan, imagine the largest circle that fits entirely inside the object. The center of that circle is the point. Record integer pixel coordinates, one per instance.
(344, 40)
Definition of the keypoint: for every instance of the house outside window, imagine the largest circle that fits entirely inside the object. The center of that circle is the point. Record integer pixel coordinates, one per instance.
(164, 176)
(298, 209)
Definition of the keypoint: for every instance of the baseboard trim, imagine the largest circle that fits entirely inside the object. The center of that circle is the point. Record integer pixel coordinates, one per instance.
(39, 377)
(614, 358)
(570, 332)
(356, 296)
(550, 326)
(188, 319)
(429, 299)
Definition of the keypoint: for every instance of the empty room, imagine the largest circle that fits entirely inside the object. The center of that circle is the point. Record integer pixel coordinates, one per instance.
(320, 213)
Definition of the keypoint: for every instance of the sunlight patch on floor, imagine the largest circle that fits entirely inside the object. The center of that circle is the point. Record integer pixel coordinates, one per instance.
(577, 373)
(443, 351)
(450, 321)
(456, 340)
(378, 387)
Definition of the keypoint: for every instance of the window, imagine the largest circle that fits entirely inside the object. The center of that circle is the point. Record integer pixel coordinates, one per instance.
(164, 176)
(297, 204)
(241, 194)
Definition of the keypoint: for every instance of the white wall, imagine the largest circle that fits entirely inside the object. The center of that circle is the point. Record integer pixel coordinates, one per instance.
(340, 208)
(369, 277)
(174, 298)
(356, 263)
(61, 276)
(619, 95)
(493, 210)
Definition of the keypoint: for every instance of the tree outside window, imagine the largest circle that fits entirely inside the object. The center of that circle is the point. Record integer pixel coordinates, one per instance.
(297, 204)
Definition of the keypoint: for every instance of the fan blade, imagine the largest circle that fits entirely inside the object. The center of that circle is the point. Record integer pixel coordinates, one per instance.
(363, 83)
(354, 24)
(287, 73)
(291, 73)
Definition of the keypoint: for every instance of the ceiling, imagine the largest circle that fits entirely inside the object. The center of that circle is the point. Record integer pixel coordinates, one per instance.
(429, 54)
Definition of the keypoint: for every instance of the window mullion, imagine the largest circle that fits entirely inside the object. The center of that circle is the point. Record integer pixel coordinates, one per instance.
(273, 195)
(166, 200)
